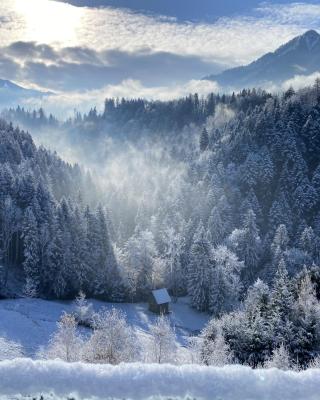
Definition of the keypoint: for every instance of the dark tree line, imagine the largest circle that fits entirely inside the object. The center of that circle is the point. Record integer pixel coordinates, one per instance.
(129, 116)
(50, 238)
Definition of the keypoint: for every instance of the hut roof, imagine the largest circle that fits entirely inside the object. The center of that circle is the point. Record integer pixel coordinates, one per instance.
(161, 296)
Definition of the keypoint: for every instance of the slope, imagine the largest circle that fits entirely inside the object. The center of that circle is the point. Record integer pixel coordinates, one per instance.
(300, 56)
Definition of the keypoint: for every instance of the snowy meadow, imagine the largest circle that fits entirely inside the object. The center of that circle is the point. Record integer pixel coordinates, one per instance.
(27, 325)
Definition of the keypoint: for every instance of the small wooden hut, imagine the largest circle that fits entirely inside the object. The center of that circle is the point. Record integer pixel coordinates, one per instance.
(159, 301)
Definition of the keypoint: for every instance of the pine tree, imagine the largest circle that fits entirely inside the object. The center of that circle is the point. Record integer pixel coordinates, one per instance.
(246, 244)
(258, 337)
(281, 307)
(6, 181)
(30, 237)
(308, 242)
(306, 322)
(305, 197)
(173, 264)
(311, 135)
(316, 180)
(216, 227)
(55, 282)
(251, 244)
(200, 270)
(225, 283)
(92, 241)
(64, 221)
(79, 253)
(204, 140)
(25, 189)
(107, 274)
(140, 256)
(280, 214)
(251, 203)
(279, 245)
(10, 225)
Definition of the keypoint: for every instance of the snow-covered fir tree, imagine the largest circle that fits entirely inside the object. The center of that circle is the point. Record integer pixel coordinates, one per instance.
(200, 268)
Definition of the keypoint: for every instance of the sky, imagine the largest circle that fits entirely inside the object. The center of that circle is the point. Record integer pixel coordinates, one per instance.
(85, 50)
(183, 10)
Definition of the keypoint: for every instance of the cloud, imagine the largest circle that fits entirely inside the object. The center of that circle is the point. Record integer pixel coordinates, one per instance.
(80, 68)
(233, 40)
(300, 81)
(9, 69)
(31, 50)
(221, 41)
(296, 13)
(63, 104)
(60, 47)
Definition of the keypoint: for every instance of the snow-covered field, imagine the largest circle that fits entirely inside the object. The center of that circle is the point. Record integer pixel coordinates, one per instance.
(31, 322)
(24, 377)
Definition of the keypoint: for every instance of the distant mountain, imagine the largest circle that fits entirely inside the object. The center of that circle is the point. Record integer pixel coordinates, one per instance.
(300, 56)
(11, 94)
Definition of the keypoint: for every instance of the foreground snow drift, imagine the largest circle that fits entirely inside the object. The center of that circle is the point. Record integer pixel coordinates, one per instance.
(24, 377)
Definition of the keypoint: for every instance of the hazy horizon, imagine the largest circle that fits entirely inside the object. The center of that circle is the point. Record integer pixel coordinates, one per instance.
(85, 51)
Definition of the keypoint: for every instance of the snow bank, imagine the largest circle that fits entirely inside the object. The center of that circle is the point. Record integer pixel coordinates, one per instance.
(10, 350)
(140, 381)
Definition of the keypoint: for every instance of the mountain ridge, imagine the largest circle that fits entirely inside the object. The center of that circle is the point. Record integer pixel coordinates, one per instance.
(10, 92)
(299, 56)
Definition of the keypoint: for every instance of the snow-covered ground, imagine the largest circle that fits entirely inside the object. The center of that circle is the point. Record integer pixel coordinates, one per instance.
(31, 322)
(24, 377)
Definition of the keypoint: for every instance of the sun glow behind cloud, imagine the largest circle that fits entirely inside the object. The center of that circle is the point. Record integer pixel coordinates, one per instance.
(87, 53)
(49, 21)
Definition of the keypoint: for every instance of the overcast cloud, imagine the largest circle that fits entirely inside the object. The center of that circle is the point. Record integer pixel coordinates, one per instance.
(80, 68)
(63, 48)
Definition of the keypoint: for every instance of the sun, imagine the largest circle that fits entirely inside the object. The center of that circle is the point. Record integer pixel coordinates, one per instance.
(50, 22)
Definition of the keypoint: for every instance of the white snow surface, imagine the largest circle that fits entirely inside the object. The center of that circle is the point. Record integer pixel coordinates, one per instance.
(31, 322)
(161, 296)
(25, 377)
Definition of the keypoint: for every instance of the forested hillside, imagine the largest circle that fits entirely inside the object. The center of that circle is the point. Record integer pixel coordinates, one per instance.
(215, 198)
(53, 240)
(242, 182)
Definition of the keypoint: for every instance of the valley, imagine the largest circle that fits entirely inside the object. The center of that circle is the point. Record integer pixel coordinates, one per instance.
(159, 200)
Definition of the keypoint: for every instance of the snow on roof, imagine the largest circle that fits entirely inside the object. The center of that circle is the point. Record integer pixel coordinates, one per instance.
(161, 296)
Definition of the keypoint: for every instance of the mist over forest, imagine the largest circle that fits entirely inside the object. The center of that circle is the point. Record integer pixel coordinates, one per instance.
(173, 217)
(173, 176)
